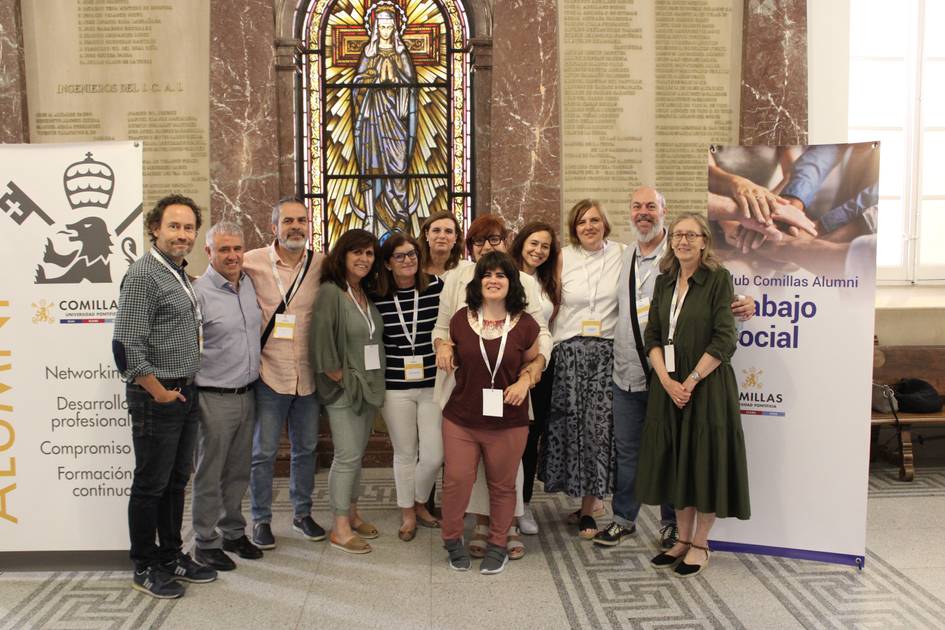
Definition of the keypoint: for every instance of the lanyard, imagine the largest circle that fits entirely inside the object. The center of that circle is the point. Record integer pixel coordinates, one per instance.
(675, 307)
(482, 348)
(411, 336)
(185, 283)
(364, 314)
(592, 297)
(636, 261)
(298, 279)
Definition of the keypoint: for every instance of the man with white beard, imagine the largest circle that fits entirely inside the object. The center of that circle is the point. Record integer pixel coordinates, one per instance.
(638, 272)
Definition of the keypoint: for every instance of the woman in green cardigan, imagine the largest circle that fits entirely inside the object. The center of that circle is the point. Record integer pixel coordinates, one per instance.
(693, 449)
(347, 353)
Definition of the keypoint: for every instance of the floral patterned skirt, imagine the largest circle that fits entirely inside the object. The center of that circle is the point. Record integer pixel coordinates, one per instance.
(577, 452)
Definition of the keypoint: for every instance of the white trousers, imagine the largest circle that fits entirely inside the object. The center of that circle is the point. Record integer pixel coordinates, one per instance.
(415, 424)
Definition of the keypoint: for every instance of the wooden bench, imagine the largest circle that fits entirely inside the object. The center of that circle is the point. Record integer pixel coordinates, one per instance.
(890, 364)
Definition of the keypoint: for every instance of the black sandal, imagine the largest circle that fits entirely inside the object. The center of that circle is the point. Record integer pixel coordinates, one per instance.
(689, 570)
(666, 561)
(587, 527)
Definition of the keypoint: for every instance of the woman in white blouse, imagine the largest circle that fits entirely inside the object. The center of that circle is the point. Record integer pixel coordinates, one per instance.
(537, 253)
(577, 454)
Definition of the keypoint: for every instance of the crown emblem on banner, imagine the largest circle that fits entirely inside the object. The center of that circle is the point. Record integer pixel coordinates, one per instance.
(88, 183)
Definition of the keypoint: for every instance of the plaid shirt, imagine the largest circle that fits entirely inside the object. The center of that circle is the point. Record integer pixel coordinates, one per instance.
(156, 325)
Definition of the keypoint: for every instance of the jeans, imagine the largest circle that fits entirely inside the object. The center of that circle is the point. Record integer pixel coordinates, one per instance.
(164, 437)
(273, 410)
(629, 416)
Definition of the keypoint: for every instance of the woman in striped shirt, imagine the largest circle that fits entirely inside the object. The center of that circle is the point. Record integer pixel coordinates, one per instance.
(408, 299)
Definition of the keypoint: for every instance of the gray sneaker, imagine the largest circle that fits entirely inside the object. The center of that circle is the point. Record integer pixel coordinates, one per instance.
(495, 560)
(458, 556)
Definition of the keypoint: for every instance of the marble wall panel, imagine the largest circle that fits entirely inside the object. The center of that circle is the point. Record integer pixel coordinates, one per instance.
(244, 156)
(526, 133)
(13, 121)
(774, 73)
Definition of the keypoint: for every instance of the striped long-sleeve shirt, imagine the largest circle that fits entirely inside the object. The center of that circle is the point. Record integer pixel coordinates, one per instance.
(396, 344)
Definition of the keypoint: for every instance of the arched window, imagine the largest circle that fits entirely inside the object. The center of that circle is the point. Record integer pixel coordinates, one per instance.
(384, 121)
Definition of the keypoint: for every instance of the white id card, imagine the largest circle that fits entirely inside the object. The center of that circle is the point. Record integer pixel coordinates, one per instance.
(643, 311)
(413, 368)
(669, 357)
(372, 357)
(492, 402)
(590, 328)
(285, 326)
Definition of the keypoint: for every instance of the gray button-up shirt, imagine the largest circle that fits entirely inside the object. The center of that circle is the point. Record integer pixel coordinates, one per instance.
(231, 325)
(628, 372)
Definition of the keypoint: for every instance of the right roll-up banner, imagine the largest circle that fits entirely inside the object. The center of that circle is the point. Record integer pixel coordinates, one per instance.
(796, 226)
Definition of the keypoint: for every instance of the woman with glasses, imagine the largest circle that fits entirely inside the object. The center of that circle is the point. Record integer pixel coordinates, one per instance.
(692, 452)
(486, 234)
(441, 243)
(537, 253)
(348, 356)
(408, 300)
(578, 449)
(486, 418)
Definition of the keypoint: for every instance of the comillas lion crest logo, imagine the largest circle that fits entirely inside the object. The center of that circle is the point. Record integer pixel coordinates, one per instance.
(81, 251)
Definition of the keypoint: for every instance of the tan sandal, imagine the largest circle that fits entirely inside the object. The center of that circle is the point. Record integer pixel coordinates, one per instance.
(355, 544)
(479, 541)
(366, 530)
(515, 547)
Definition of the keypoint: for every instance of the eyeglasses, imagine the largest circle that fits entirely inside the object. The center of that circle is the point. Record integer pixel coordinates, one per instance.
(494, 239)
(402, 256)
(689, 236)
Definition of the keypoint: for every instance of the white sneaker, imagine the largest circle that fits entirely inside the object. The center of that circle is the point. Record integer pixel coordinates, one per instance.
(527, 524)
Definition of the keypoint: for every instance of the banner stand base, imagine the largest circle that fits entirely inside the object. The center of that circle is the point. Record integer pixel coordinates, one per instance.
(65, 561)
(785, 552)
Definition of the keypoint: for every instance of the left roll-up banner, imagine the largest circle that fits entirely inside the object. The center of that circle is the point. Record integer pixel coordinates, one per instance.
(70, 224)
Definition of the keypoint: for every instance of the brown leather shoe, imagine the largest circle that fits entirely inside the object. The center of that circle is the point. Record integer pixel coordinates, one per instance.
(407, 535)
(355, 544)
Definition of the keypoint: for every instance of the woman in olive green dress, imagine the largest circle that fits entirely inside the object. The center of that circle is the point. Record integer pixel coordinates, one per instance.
(693, 449)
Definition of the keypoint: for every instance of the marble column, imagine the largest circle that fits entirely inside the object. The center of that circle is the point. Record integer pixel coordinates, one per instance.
(526, 135)
(14, 127)
(774, 73)
(482, 122)
(244, 162)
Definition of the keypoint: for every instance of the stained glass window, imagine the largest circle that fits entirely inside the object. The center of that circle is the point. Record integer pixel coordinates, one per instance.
(384, 114)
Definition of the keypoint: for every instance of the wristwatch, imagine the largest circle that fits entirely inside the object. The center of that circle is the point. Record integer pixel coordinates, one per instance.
(695, 376)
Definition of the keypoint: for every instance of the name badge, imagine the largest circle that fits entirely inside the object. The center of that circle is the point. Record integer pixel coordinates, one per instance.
(492, 402)
(413, 368)
(285, 326)
(643, 311)
(590, 328)
(669, 357)
(372, 357)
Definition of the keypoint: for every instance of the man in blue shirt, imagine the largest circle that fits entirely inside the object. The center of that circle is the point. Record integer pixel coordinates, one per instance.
(229, 368)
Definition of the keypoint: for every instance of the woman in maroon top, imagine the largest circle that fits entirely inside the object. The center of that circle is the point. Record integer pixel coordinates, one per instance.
(487, 413)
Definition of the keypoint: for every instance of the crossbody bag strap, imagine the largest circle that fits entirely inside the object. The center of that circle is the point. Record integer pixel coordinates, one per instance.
(282, 306)
(634, 320)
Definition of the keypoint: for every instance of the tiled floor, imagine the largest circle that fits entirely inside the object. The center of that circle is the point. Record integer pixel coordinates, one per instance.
(561, 583)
